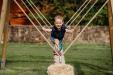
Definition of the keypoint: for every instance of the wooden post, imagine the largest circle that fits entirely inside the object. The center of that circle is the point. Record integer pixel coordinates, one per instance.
(4, 29)
(5, 39)
(110, 14)
(3, 16)
(112, 6)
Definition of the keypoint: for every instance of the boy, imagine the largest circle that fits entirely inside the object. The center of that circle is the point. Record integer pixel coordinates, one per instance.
(57, 35)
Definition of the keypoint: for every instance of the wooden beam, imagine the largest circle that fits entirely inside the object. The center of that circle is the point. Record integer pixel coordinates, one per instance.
(5, 39)
(4, 25)
(110, 16)
(112, 6)
(3, 16)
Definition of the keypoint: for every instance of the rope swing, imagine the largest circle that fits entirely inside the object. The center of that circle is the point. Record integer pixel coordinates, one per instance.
(86, 2)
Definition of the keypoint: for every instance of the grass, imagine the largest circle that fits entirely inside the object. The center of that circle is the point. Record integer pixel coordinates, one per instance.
(33, 59)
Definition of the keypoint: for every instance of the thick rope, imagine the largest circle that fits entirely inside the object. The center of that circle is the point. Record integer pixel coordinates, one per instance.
(80, 12)
(37, 13)
(31, 13)
(40, 12)
(85, 14)
(36, 27)
(85, 27)
(76, 12)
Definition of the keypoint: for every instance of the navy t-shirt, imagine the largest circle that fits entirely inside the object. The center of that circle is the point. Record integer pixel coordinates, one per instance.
(58, 34)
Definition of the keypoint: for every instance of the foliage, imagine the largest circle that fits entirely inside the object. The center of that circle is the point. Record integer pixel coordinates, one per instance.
(34, 58)
(67, 8)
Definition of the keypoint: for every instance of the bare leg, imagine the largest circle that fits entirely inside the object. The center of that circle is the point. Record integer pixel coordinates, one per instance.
(56, 57)
(59, 59)
(62, 57)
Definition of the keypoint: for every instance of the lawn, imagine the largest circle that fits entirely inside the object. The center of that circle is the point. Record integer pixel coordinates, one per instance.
(34, 58)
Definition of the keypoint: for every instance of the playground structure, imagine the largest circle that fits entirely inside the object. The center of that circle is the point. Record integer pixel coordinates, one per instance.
(4, 23)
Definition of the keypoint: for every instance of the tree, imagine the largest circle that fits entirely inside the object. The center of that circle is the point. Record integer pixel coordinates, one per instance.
(67, 8)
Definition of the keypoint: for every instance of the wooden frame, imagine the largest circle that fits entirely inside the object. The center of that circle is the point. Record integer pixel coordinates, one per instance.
(4, 29)
(4, 22)
(110, 16)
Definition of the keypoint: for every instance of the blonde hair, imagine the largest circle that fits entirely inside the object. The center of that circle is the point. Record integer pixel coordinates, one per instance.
(58, 17)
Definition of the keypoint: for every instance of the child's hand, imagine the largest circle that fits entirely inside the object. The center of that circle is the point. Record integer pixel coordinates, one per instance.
(43, 28)
(46, 30)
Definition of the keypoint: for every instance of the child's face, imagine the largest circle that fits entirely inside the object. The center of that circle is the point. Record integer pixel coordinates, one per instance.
(58, 23)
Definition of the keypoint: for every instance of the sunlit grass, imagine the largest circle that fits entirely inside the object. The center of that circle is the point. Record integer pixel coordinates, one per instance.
(34, 58)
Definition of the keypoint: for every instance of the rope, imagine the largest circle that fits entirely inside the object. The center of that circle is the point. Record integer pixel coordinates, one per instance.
(80, 12)
(32, 14)
(37, 13)
(85, 14)
(76, 12)
(85, 27)
(36, 27)
(40, 12)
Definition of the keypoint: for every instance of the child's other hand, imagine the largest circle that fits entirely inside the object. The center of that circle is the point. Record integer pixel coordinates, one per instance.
(72, 30)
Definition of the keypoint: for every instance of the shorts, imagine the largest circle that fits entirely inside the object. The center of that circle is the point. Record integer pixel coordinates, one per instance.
(60, 46)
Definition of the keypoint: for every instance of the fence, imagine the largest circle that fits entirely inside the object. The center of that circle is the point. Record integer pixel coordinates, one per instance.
(27, 33)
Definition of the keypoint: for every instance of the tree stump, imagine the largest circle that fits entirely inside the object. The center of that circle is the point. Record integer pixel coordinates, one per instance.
(60, 69)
